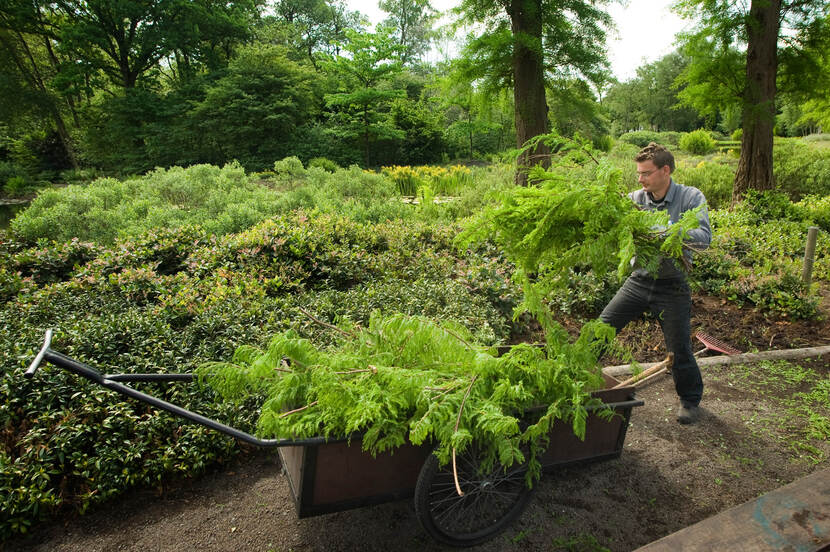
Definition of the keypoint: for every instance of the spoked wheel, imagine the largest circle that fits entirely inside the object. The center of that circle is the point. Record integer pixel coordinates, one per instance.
(490, 503)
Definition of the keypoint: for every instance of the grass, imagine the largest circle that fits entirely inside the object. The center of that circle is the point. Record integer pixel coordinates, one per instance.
(583, 542)
(800, 420)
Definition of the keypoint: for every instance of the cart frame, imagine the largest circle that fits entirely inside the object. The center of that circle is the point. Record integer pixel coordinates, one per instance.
(314, 466)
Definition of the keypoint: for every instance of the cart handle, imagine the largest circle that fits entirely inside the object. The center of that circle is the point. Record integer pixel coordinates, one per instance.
(47, 342)
(111, 382)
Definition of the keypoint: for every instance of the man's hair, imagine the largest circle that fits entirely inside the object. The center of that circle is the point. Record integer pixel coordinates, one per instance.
(658, 155)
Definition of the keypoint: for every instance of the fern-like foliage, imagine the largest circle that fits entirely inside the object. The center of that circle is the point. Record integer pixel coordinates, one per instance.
(570, 219)
(411, 379)
(404, 379)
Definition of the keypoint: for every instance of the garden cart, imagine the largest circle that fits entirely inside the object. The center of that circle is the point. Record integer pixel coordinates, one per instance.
(329, 475)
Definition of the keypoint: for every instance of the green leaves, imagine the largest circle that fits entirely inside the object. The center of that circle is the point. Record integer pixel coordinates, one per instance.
(574, 218)
(410, 378)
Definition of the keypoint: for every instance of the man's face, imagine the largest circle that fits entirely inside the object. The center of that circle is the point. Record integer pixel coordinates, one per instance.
(653, 180)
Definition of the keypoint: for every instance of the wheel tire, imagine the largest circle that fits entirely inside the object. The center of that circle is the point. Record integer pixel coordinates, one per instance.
(491, 502)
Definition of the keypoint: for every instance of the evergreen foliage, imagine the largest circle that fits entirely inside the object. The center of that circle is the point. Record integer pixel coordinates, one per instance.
(575, 219)
(408, 378)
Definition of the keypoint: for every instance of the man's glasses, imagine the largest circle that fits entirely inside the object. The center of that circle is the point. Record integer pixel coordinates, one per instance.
(646, 174)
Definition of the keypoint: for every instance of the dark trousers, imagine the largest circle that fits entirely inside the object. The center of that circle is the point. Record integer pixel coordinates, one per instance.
(670, 301)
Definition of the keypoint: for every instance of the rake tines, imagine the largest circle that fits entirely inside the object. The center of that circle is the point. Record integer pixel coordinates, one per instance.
(716, 344)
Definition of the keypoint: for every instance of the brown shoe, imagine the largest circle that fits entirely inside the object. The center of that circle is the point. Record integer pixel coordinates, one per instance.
(688, 414)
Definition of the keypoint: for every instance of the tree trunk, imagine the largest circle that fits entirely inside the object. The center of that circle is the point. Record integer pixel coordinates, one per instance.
(470, 129)
(531, 108)
(366, 136)
(31, 74)
(758, 117)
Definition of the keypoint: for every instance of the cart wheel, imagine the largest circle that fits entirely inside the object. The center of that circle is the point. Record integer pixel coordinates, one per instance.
(491, 501)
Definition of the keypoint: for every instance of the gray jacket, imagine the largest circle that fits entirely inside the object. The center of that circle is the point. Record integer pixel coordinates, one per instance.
(678, 200)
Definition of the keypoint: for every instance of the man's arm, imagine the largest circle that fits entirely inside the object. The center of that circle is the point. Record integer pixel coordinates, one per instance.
(700, 237)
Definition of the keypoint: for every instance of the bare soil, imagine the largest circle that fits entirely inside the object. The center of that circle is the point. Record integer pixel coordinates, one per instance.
(668, 477)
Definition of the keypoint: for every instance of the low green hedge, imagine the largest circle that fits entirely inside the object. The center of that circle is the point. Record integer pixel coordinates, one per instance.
(173, 299)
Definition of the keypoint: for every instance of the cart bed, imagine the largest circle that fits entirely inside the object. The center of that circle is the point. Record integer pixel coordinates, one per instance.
(334, 476)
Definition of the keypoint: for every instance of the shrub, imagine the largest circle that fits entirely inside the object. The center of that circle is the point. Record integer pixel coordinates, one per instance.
(640, 138)
(670, 138)
(289, 167)
(715, 180)
(801, 168)
(757, 261)
(15, 186)
(9, 170)
(603, 143)
(817, 209)
(222, 200)
(323, 163)
(53, 263)
(737, 135)
(785, 294)
(698, 142)
(770, 206)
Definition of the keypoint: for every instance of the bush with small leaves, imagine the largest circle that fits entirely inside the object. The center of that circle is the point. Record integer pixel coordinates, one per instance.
(323, 163)
(698, 142)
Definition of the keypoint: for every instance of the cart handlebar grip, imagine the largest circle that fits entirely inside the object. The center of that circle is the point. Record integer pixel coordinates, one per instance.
(47, 342)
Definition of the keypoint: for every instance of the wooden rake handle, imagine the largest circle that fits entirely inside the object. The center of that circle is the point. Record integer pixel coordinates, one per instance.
(667, 363)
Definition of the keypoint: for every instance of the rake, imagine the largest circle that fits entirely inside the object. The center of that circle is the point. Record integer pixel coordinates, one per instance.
(714, 344)
(710, 344)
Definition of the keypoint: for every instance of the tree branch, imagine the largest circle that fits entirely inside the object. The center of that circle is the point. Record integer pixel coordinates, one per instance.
(458, 421)
(325, 324)
(309, 405)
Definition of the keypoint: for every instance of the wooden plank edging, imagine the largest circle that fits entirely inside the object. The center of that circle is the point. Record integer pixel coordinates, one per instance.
(792, 517)
(745, 358)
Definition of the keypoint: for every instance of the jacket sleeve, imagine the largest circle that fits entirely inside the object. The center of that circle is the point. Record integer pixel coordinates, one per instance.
(700, 237)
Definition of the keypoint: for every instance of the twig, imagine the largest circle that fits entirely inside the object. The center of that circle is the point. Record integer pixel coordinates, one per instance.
(326, 324)
(372, 369)
(284, 414)
(441, 390)
(458, 421)
(458, 337)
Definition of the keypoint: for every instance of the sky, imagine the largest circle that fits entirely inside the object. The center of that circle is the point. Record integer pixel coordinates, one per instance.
(645, 30)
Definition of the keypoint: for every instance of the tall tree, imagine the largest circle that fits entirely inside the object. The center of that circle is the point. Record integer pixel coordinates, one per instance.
(651, 99)
(478, 120)
(29, 72)
(529, 43)
(209, 33)
(318, 26)
(360, 107)
(253, 111)
(759, 28)
(411, 21)
(127, 39)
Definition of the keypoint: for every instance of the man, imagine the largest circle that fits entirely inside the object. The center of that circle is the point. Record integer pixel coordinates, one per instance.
(667, 295)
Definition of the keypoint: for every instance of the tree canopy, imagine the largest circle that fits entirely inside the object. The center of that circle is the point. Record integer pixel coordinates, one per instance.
(531, 45)
(775, 37)
(130, 85)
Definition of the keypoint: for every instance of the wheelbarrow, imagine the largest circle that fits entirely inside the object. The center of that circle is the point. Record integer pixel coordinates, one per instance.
(330, 475)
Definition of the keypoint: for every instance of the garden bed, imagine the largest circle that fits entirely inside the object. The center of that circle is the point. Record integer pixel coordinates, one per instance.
(750, 440)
